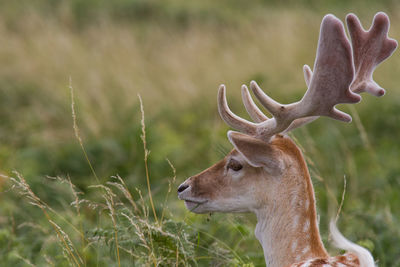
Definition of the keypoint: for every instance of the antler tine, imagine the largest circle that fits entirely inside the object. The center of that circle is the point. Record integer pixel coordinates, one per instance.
(251, 107)
(370, 48)
(271, 105)
(307, 74)
(230, 118)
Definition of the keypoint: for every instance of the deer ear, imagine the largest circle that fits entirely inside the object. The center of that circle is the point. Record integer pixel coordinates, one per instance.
(257, 152)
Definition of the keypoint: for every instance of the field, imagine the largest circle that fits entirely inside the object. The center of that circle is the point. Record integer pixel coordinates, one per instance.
(75, 174)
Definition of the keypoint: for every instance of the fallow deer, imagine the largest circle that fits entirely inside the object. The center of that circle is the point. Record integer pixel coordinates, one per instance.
(266, 172)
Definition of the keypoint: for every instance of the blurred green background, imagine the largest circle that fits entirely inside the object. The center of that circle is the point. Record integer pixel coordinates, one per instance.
(175, 53)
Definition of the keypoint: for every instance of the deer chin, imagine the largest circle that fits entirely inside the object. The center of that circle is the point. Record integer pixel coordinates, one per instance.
(195, 205)
(206, 206)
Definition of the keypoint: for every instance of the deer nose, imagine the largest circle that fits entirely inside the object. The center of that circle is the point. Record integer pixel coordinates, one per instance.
(182, 188)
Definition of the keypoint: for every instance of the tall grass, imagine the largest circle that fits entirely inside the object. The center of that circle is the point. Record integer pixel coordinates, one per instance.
(133, 237)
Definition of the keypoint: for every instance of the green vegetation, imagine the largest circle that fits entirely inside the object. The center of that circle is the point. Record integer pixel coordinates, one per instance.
(57, 211)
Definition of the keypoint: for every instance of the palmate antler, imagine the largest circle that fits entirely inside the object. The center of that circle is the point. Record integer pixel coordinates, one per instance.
(369, 49)
(333, 81)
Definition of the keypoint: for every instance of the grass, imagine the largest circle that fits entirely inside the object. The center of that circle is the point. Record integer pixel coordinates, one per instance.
(132, 236)
(174, 57)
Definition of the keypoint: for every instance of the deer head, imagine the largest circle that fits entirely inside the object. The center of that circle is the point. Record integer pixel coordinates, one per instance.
(266, 173)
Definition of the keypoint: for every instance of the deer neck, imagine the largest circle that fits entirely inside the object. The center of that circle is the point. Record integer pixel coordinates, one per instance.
(287, 227)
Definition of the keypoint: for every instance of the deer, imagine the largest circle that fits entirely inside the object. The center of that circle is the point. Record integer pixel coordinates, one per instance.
(266, 172)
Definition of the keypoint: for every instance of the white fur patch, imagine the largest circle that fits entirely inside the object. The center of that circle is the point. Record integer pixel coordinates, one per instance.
(306, 226)
(307, 263)
(363, 255)
(236, 176)
(307, 205)
(305, 250)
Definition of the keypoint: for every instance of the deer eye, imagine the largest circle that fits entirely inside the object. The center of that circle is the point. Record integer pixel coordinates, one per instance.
(234, 165)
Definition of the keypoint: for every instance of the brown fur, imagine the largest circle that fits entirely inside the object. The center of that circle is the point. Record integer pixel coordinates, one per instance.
(288, 147)
(205, 183)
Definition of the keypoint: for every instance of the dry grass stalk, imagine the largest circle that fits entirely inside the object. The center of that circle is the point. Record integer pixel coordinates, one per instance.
(169, 189)
(76, 130)
(146, 155)
(24, 189)
(125, 191)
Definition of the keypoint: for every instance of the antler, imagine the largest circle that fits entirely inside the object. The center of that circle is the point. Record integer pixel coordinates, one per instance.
(328, 86)
(369, 49)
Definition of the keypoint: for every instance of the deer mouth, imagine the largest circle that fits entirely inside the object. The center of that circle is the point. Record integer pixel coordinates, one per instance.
(192, 204)
(194, 201)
